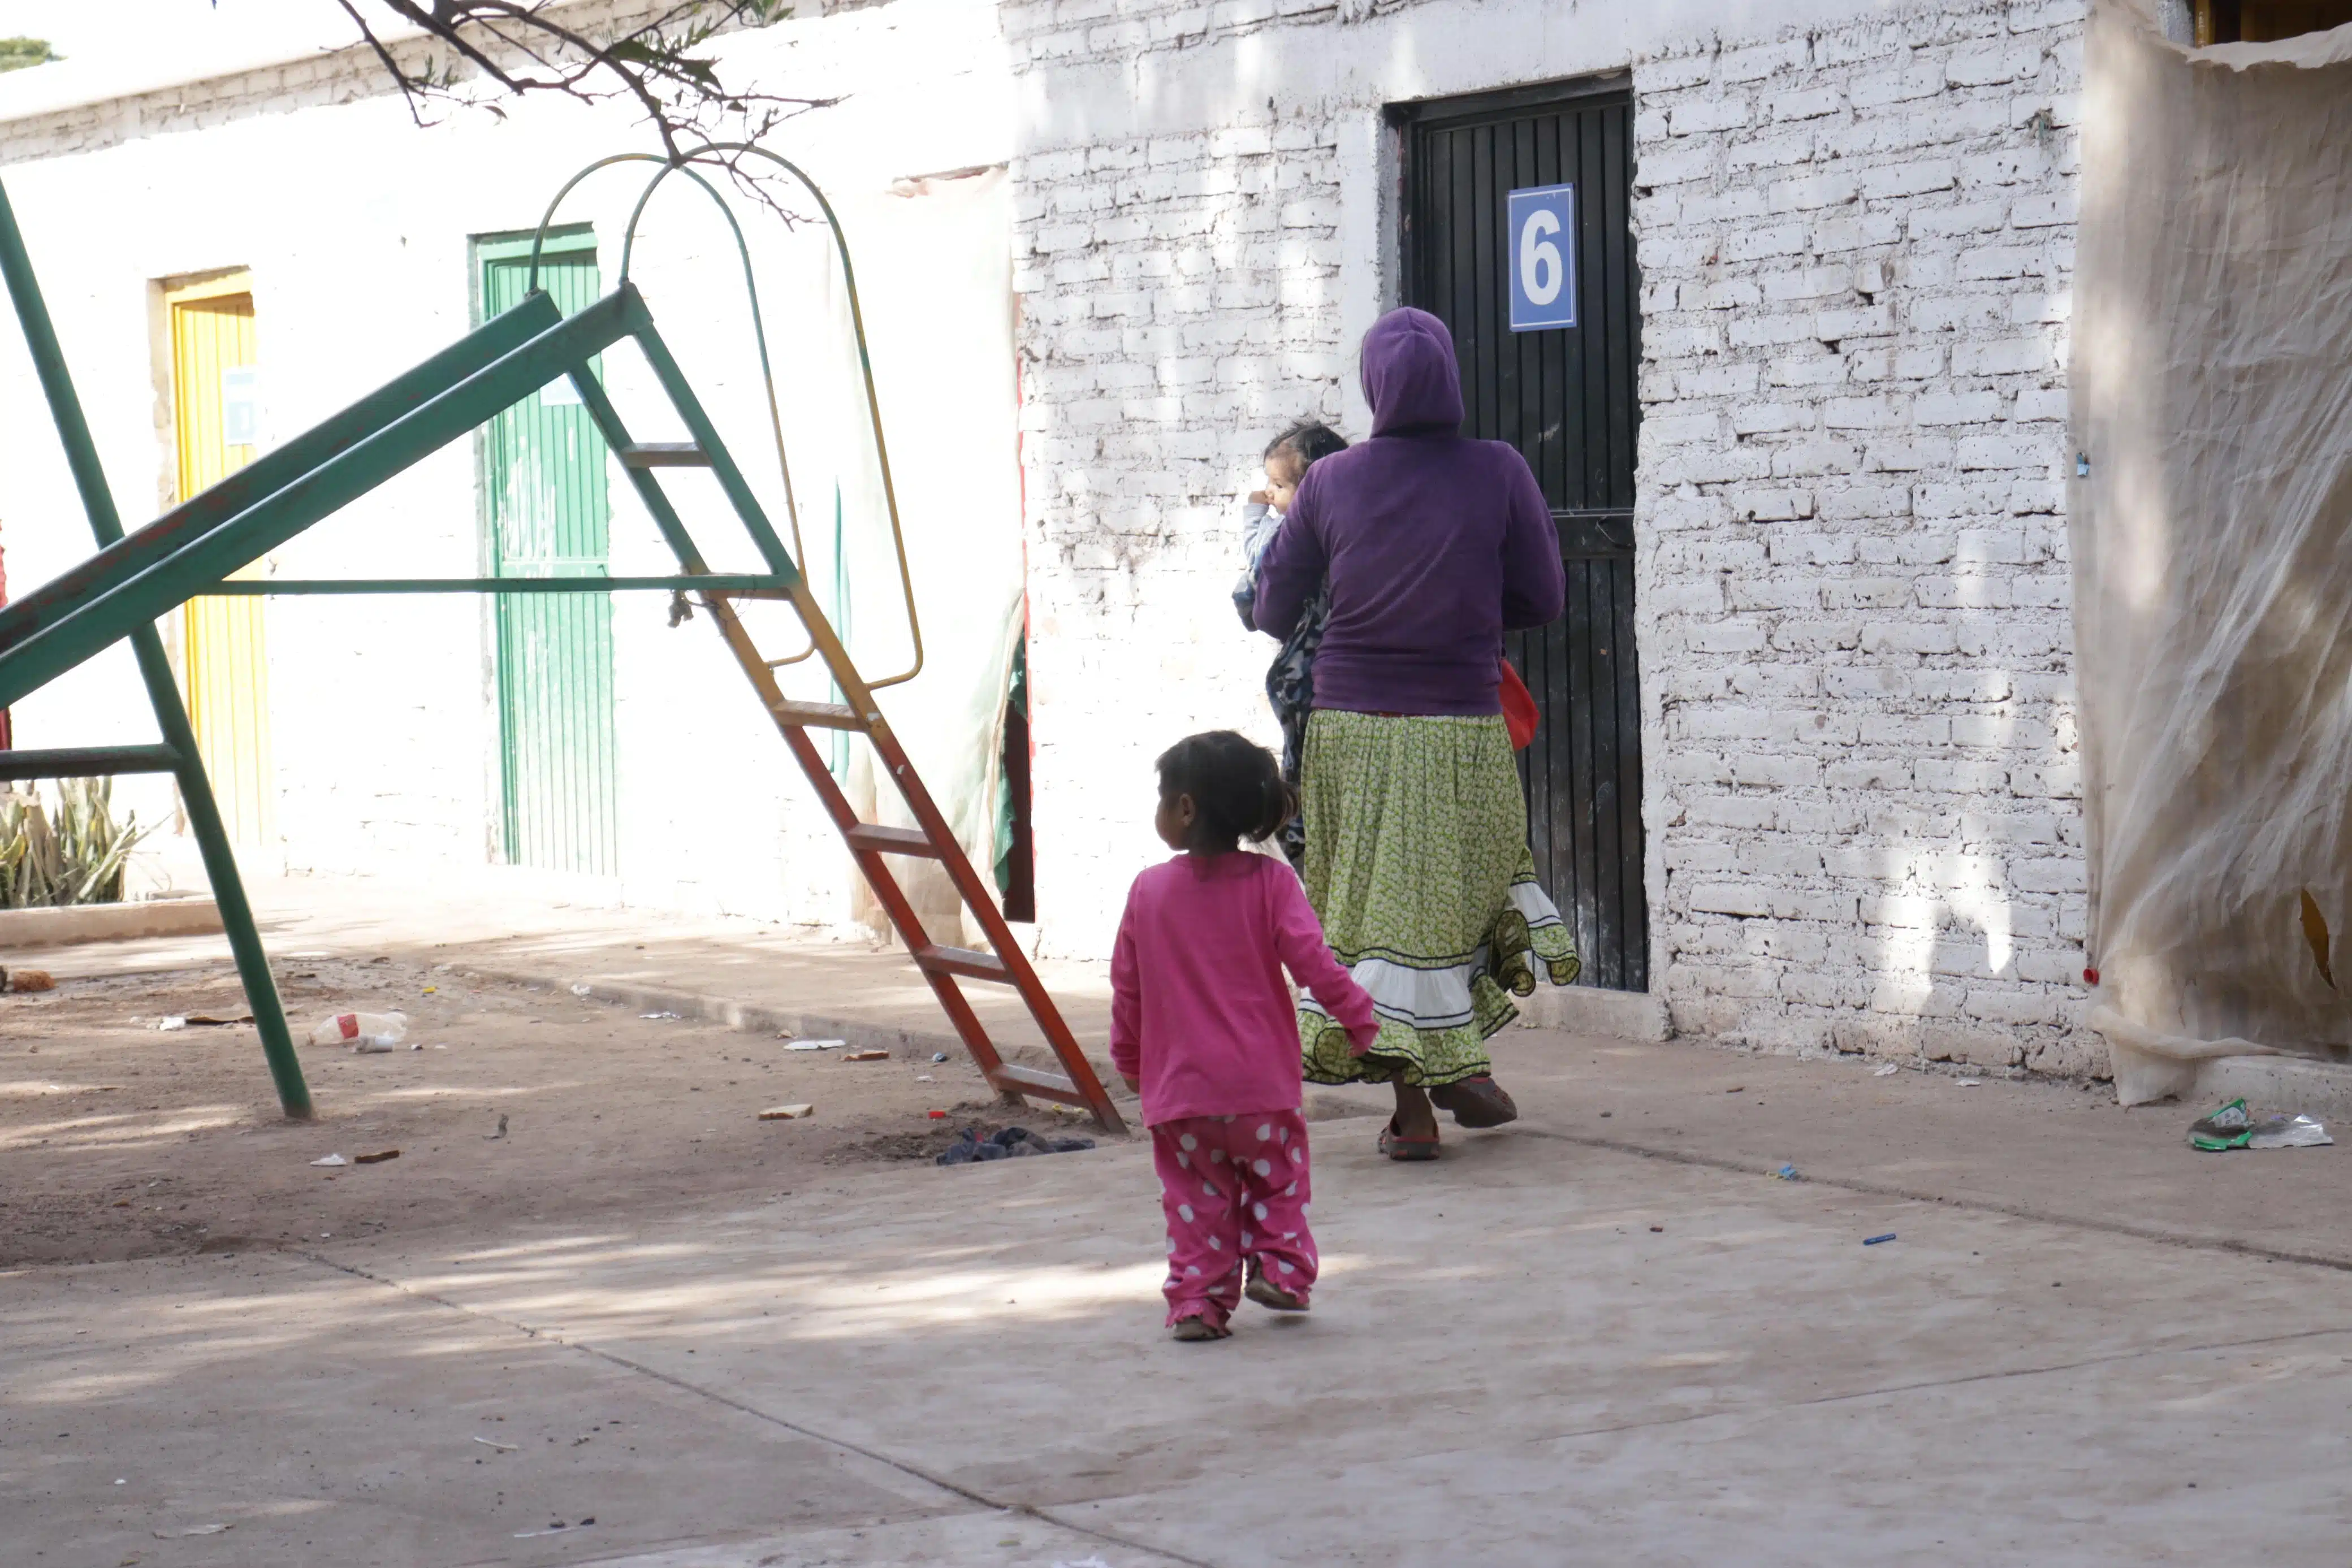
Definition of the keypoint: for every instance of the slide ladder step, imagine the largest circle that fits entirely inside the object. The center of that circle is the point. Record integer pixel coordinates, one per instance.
(891, 841)
(664, 455)
(817, 715)
(1043, 1085)
(962, 961)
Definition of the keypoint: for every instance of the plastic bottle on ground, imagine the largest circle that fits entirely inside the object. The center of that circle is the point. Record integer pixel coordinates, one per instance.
(362, 1030)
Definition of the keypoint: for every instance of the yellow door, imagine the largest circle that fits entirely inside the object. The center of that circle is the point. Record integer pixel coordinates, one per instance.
(225, 663)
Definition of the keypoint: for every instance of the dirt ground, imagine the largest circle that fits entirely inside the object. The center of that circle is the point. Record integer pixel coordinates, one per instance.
(120, 1139)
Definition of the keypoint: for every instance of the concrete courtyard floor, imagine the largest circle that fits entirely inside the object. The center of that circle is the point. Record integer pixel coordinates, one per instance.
(1586, 1338)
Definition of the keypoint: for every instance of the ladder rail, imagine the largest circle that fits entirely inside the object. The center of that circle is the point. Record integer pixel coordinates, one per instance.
(863, 715)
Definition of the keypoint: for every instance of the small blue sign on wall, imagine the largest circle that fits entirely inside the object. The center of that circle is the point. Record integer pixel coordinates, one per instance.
(1541, 224)
(241, 405)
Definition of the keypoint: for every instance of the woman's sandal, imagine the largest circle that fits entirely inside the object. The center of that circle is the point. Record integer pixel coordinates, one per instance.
(1397, 1146)
(1193, 1330)
(1475, 1101)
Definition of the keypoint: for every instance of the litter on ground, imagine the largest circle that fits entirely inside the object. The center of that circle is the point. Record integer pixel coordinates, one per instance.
(2234, 1127)
(786, 1113)
(1887, 1071)
(817, 1045)
(1011, 1143)
(1875, 1240)
(867, 1056)
(658, 1015)
(1786, 1173)
(362, 1031)
(377, 1158)
(331, 1160)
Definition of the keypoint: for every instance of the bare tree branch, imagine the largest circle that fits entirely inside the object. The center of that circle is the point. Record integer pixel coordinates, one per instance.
(473, 54)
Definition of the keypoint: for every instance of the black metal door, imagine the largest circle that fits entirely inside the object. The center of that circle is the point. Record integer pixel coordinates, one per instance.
(1566, 397)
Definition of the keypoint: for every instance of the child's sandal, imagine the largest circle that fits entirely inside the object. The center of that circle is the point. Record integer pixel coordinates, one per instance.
(1193, 1330)
(1266, 1293)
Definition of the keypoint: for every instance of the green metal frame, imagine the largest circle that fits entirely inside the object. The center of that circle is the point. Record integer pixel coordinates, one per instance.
(119, 592)
(193, 549)
(178, 752)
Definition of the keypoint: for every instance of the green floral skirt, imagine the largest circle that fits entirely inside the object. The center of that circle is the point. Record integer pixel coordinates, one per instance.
(1417, 863)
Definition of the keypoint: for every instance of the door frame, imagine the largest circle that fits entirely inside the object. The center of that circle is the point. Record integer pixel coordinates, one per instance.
(167, 295)
(561, 242)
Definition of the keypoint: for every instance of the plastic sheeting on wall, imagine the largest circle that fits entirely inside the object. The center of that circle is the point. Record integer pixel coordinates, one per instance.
(2213, 545)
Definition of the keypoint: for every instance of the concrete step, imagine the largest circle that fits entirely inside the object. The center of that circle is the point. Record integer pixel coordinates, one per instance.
(22, 928)
(1589, 1010)
(2289, 1084)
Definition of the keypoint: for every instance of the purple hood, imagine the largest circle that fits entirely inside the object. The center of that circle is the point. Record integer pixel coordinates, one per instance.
(1409, 377)
(1434, 546)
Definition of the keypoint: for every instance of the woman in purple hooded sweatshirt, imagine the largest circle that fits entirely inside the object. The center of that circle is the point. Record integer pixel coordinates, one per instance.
(1417, 855)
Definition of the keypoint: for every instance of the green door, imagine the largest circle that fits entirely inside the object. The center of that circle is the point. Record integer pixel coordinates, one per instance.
(543, 476)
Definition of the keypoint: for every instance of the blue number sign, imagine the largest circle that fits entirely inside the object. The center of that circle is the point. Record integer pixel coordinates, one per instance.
(1541, 223)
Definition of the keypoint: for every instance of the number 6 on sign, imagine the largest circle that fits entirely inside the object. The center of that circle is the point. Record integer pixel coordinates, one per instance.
(1541, 223)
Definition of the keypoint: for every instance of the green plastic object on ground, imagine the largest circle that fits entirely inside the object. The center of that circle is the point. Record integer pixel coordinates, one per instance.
(2234, 1127)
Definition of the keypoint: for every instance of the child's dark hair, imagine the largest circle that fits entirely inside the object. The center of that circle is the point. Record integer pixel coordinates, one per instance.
(1304, 444)
(1237, 787)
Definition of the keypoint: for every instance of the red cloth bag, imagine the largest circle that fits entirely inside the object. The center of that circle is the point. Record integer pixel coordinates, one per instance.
(1518, 708)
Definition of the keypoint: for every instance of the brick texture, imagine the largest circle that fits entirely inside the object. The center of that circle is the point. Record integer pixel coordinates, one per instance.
(1864, 802)
(1178, 308)
(1856, 242)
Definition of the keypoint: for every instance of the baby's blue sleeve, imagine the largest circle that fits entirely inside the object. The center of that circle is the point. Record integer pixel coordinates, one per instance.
(1260, 523)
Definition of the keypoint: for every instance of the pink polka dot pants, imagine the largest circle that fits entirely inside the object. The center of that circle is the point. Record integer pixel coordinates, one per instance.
(1236, 1191)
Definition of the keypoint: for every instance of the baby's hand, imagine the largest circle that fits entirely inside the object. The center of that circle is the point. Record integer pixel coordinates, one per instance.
(1358, 1046)
(1259, 499)
(1132, 1081)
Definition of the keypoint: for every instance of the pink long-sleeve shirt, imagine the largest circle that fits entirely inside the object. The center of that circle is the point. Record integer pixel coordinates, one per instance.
(1199, 1012)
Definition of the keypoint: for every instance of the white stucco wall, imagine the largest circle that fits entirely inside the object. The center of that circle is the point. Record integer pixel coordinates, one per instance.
(356, 227)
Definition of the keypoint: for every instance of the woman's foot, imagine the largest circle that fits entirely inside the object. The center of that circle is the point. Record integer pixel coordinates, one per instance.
(1196, 1328)
(1395, 1146)
(1415, 1118)
(1266, 1293)
(1477, 1102)
(1412, 1132)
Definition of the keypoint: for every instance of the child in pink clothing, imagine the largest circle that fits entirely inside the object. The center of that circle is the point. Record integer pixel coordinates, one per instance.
(1204, 1026)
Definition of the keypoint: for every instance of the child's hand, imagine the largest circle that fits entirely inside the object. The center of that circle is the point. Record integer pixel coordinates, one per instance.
(1132, 1081)
(1358, 1046)
(1259, 499)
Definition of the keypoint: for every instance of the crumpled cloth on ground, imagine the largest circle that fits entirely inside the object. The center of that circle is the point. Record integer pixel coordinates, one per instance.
(1011, 1143)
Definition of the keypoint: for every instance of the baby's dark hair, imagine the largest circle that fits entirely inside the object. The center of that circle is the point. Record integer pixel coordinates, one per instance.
(1304, 444)
(1237, 787)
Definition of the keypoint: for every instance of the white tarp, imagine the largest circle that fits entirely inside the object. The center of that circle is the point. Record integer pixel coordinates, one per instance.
(2212, 544)
(934, 263)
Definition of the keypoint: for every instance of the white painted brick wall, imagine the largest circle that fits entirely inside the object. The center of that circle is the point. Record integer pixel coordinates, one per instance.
(1856, 249)
(1179, 305)
(1855, 241)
